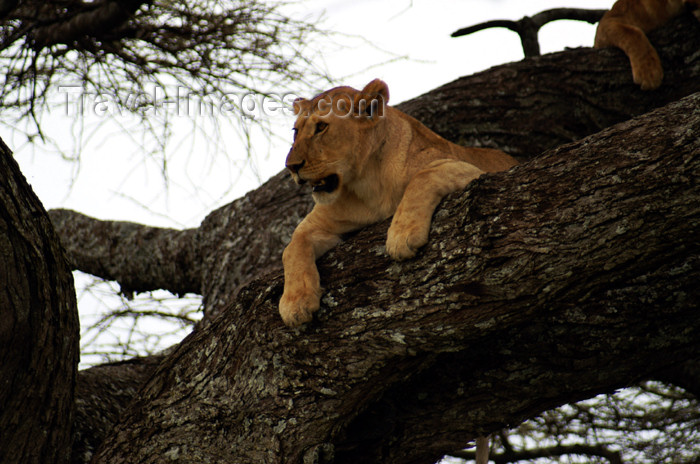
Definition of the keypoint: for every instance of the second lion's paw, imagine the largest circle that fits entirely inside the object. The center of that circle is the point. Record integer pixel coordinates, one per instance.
(648, 73)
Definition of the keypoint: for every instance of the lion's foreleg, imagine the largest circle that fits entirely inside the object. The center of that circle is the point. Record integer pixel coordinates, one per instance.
(302, 286)
(411, 223)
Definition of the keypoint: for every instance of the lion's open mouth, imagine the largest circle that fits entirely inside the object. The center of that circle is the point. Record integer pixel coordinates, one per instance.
(327, 184)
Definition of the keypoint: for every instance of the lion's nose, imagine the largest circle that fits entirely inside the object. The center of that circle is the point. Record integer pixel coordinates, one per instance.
(296, 166)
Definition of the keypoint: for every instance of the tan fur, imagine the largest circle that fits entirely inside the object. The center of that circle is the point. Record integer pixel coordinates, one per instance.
(625, 26)
(386, 163)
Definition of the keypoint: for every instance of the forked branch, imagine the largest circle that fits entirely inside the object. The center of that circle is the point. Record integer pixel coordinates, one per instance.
(529, 26)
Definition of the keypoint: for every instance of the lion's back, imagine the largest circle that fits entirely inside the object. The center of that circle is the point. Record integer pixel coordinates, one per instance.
(487, 159)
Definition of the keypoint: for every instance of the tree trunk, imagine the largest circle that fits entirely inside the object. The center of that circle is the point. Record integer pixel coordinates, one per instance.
(572, 275)
(38, 328)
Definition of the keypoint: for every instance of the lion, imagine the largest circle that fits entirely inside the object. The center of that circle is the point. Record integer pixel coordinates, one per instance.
(625, 26)
(366, 161)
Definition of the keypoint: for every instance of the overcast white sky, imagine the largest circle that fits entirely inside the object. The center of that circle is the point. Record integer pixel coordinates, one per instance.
(406, 43)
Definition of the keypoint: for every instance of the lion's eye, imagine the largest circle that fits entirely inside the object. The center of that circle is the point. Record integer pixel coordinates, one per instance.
(320, 127)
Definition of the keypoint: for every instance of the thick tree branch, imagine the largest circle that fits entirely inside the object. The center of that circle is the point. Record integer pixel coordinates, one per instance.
(232, 245)
(529, 26)
(572, 275)
(140, 258)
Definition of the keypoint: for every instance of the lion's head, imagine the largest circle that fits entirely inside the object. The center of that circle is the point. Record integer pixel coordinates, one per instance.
(334, 135)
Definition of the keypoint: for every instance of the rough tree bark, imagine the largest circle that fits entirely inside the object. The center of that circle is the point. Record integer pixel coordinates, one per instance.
(38, 328)
(524, 108)
(102, 393)
(572, 275)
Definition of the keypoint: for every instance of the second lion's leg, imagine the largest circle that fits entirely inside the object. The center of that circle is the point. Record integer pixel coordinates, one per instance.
(411, 223)
(645, 62)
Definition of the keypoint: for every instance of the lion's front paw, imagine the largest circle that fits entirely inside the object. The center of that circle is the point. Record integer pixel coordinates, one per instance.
(297, 306)
(403, 240)
(648, 73)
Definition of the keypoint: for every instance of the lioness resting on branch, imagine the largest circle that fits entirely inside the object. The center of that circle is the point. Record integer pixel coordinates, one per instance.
(625, 26)
(366, 161)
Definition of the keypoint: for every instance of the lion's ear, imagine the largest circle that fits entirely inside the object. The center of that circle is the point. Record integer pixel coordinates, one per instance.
(377, 89)
(371, 101)
(301, 104)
